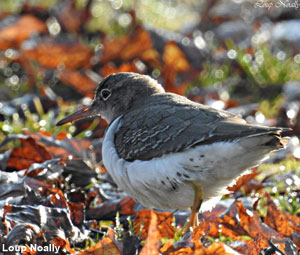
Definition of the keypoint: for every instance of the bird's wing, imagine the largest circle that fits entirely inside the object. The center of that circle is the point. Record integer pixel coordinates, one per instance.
(175, 125)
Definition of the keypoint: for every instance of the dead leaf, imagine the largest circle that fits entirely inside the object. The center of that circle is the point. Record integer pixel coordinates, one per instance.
(127, 47)
(104, 247)
(174, 58)
(52, 55)
(286, 224)
(73, 18)
(218, 249)
(28, 153)
(210, 223)
(77, 213)
(64, 148)
(164, 219)
(57, 198)
(245, 183)
(180, 247)
(62, 244)
(12, 36)
(277, 219)
(245, 222)
(152, 242)
(81, 83)
(110, 68)
(127, 206)
(174, 62)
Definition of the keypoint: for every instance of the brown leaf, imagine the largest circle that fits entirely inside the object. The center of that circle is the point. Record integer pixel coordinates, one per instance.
(73, 18)
(174, 62)
(245, 222)
(277, 219)
(110, 68)
(52, 55)
(12, 36)
(182, 251)
(127, 206)
(261, 244)
(217, 249)
(127, 47)
(152, 242)
(181, 247)
(243, 246)
(104, 247)
(62, 244)
(174, 59)
(245, 183)
(28, 153)
(57, 198)
(29, 251)
(284, 223)
(81, 83)
(60, 136)
(209, 225)
(165, 220)
(61, 150)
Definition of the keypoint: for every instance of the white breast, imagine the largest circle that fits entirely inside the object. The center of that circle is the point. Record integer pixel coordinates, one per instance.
(163, 182)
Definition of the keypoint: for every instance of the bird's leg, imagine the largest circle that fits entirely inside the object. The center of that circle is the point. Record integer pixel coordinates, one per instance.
(193, 220)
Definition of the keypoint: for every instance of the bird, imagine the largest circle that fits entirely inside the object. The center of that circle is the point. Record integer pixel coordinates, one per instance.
(169, 152)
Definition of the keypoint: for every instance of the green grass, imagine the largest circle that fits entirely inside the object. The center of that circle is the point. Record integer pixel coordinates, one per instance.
(265, 67)
(283, 190)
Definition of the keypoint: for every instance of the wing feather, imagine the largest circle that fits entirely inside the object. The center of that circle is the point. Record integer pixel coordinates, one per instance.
(173, 123)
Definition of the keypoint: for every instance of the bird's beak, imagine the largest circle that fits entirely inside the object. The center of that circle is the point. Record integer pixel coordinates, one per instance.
(85, 112)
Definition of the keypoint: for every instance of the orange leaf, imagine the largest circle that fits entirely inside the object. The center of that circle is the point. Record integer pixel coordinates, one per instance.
(81, 83)
(198, 249)
(247, 222)
(151, 56)
(62, 244)
(12, 36)
(127, 205)
(104, 247)
(110, 68)
(174, 249)
(245, 182)
(174, 58)
(284, 223)
(165, 220)
(277, 219)
(209, 225)
(61, 136)
(174, 62)
(77, 145)
(51, 55)
(58, 198)
(28, 153)
(128, 47)
(152, 242)
(218, 249)
(77, 212)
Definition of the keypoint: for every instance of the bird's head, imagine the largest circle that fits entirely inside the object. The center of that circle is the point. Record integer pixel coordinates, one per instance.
(117, 94)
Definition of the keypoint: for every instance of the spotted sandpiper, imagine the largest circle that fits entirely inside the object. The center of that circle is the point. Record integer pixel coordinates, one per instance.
(169, 152)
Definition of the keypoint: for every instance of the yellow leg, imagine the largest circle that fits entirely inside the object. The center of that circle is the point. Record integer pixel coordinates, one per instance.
(193, 220)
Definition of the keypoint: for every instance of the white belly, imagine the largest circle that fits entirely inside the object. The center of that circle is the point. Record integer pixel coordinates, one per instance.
(162, 183)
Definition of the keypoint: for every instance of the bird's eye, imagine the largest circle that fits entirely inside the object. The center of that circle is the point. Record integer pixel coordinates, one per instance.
(105, 94)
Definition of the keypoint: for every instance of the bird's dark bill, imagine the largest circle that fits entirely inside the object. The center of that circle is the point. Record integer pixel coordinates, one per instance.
(80, 114)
